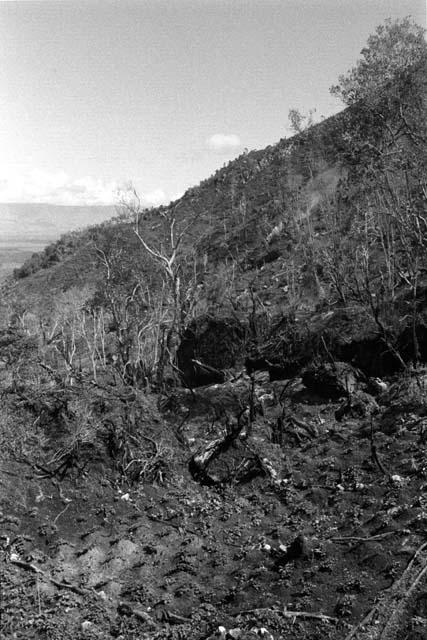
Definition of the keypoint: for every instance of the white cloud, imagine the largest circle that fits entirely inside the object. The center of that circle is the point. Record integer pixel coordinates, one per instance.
(220, 142)
(177, 195)
(57, 187)
(154, 198)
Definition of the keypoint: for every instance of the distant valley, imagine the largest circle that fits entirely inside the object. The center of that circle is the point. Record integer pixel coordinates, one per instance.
(14, 251)
(26, 228)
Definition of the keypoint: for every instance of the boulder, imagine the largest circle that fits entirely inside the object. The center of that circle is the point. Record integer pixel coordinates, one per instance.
(281, 370)
(357, 405)
(402, 414)
(332, 380)
(376, 386)
(215, 343)
(202, 374)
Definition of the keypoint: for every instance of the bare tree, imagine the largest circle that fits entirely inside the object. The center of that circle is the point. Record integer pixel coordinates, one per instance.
(168, 256)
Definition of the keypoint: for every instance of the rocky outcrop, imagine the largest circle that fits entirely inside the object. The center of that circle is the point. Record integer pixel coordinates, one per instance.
(358, 405)
(212, 343)
(332, 380)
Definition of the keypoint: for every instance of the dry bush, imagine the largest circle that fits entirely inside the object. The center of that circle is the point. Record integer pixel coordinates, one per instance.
(411, 388)
(21, 437)
(80, 434)
(150, 463)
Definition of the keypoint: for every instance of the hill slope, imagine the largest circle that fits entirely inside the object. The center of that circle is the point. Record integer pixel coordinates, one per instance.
(275, 233)
(187, 446)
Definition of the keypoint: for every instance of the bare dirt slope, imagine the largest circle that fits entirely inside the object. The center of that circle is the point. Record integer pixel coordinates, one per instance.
(320, 532)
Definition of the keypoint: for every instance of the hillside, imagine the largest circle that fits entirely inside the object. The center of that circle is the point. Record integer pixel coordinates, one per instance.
(214, 413)
(264, 231)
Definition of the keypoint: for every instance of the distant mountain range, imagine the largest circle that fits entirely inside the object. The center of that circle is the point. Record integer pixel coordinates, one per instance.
(45, 222)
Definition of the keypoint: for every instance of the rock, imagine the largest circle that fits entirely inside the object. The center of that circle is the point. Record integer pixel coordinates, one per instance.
(332, 380)
(344, 607)
(400, 413)
(219, 634)
(262, 377)
(253, 364)
(298, 549)
(262, 632)
(276, 371)
(265, 400)
(283, 371)
(203, 374)
(376, 386)
(217, 342)
(357, 405)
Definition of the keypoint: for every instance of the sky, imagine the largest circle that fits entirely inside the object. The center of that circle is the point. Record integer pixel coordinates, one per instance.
(99, 93)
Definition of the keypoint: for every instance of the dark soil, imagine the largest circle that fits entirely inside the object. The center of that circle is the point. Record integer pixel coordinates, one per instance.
(317, 526)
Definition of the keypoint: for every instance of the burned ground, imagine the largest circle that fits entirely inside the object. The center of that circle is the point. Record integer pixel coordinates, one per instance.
(313, 527)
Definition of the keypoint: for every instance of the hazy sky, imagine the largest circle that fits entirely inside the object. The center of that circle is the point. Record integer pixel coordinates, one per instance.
(162, 92)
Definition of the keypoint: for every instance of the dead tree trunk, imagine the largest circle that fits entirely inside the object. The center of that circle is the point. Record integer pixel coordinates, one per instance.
(200, 461)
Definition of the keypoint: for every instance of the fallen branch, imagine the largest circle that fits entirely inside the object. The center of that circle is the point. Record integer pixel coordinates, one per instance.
(391, 602)
(390, 621)
(153, 442)
(312, 431)
(374, 453)
(180, 528)
(266, 466)
(127, 609)
(57, 484)
(361, 624)
(379, 536)
(251, 405)
(200, 460)
(28, 566)
(415, 557)
(293, 614)
(307, 614)
(61, 512)
(393, 614)
(10, 473)
(179, 428)
(285, 388)
(376, 459)
(124, 608)
(172, 618)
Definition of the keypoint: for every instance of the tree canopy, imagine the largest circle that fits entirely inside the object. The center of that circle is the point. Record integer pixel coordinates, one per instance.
(396, 48)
